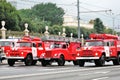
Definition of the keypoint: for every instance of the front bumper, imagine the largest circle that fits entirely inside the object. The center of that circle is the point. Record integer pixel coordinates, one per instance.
(87, 58)
(48, 59)
(2, 56)
(14, 57)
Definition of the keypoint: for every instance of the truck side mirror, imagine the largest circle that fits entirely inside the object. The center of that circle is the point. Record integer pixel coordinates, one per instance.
(34, 45)
(107, 43)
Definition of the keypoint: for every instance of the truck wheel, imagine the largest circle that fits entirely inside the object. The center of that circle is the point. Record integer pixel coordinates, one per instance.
(61, 61)
(28, 60)
(34, 62)
(11, 62)
(81, 63)
(75, 62)
(117, 60)
(44, 63)
(101, 61)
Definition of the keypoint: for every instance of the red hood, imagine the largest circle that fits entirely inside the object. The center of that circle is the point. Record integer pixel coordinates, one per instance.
(21, 49)
(92, 48)
(5, 48)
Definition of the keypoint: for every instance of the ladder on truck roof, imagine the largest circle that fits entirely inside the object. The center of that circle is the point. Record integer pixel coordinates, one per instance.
(103, 36)
(59, 38)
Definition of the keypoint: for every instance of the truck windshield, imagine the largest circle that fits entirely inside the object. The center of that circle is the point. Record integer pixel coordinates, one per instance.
(24, 44)
(95, 43)
(52, 45)
(5, 43)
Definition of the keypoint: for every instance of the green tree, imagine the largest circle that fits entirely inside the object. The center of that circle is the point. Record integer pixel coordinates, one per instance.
(98, 26)
(55, 29)
(109, 31)
(86, 32)
(49, 12)
(9, 14)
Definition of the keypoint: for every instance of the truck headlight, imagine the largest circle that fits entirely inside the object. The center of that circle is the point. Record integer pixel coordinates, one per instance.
(78, 54)
(43, 54)
(96, 54)
(56, 55)
(6, 52)
(22, 53)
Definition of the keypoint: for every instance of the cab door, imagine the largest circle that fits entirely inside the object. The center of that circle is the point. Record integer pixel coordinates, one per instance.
(107, 49)
(34, 50)
(40, 49)
(113, 49)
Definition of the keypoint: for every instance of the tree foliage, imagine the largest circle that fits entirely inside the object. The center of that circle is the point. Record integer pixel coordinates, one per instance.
(41, 15)
(9, 14)
(98, 26)
(49, 12)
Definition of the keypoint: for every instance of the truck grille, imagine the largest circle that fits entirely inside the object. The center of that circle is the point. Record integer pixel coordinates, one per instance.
(15, 54)
(87, 53)
(48, 54)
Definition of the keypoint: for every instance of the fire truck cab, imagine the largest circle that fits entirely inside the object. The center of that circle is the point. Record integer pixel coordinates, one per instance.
(101, 48)
(59, 51)
(27, 50)
(5, 45)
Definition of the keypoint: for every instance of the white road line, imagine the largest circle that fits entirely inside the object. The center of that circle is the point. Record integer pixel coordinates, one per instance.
(101, 72)
(48, 73)
(102, 78)
(39, 69)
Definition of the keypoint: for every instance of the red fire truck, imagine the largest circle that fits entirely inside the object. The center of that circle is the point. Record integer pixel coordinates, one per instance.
(27, 50)
(59, 51)
(101, 48)
(6, 44)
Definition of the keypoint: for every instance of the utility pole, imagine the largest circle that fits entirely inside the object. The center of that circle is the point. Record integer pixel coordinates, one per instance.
(78, 17)
(113, 25)
(113, 18)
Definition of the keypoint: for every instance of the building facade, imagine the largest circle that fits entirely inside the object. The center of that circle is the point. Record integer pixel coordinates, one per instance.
(72, 22)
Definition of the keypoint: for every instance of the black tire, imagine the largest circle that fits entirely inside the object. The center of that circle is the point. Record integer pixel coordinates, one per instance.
(28, 60)
(11, 62)
(75, 62)
(101, 61)
(117, 60)
(61, 61)
(81, 63)
(34, 62)
(44, 63)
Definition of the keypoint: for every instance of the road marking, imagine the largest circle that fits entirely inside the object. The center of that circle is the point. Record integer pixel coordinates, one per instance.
(101, 72)
(50, 73)
(102, 78)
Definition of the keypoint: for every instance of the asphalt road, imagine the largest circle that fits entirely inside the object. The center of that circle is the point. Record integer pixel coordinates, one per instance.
(54, 72)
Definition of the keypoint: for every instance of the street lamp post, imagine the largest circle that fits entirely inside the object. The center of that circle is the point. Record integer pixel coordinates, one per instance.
(78, 17)
(113, 25)
(3, 30)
